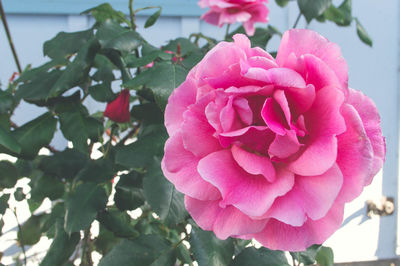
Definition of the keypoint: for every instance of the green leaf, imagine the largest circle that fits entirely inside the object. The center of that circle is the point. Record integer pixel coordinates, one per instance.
(49, 223)
(45, 186)
(19, 194)
(363, 34)
(307, 257)
(105, 69)
(62, 246)
(105, 241)
(35, 134)
(162, 196)
(141, 152)
(105, 12)
(153, 18)
(148, 113)
(31, 74)
(128, 192)
(82, 206)
(77, 71)
(162, 79)
(144, 250)
(282, 3)
(111, 35)
(39, 87)
(334, 14)
(209, 250)
(9, 175)
(4, 203)
(97, 171)
(6, 102)
(346, 9)
(125, 43)
(8, 141)
(65, 164)
(186, 46)
(77, 126)
(30, 232)
(132, 61)
(120, 223)
(252, 256)
(102, 92)
(66, 44)
(261, 36)
(313, 8)
(325, 257)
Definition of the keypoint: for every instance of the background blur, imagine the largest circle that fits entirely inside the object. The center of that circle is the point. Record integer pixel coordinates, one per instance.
(375, 71)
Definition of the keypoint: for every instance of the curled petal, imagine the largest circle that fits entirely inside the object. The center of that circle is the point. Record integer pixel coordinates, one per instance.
(301, 42)
(178, 102)
(225, 222)
(371, 121)
(280, 236)
(252, 195)
(180, 168)
(254, 164)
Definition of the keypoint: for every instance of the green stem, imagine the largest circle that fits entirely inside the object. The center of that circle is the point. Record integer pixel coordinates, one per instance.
(297, 21)
(21, 241)
(132, 15)
(147, 7)
(10, 42)
(227, 31)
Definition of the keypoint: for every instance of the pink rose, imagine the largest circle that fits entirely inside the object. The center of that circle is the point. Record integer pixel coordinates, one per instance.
(247, 12)
(269, 148)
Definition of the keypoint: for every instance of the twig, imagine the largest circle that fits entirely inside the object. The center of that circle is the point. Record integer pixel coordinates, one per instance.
(132, 15)
(10, 42)
(86, 258)
(131, 133)
(297, 21)
(20, 234)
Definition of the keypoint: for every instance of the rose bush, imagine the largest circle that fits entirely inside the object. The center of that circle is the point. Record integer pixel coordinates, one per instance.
(247, 12)
(269, 148)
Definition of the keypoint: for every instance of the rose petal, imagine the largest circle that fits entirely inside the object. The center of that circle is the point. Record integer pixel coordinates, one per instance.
(355, 155)
(180, 168)
(282, 77)
(280, 236)
(302, 42)
(371, 120)
(225, 222)
(274, 117)
(284, 146)
(253, 195)
(257, 138)
(254, 164)
(317, 158)
(178, 102)
(324, 117)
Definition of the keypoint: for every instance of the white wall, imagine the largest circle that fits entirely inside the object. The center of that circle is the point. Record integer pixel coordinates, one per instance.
(372, 70)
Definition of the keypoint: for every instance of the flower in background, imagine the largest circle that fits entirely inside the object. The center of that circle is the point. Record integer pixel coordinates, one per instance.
(118, 109)
(247, 12)
(271, 149)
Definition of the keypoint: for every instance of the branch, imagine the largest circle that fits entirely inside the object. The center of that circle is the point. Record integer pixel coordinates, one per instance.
(10, 42)
(20, 233)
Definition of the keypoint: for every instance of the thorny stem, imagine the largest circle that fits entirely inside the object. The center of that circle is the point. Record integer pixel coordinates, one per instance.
(132, 15)
(21, 241)
(297, 21)
(10, 42)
